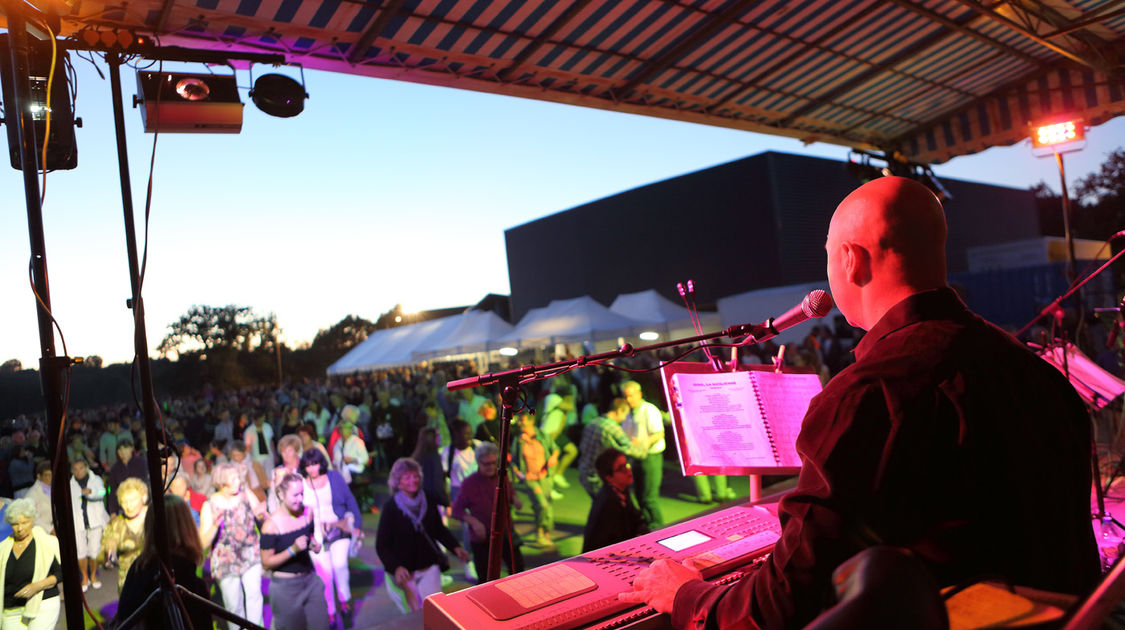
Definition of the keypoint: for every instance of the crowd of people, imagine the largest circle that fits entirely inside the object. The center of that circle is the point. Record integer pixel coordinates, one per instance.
(277, 478)
(234, 460)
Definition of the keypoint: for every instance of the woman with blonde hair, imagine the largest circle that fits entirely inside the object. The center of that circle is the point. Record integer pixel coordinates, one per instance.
(289, 448)
(29, 572)
(124, 537)
(288, 536)
(228, 528)
(184, 556)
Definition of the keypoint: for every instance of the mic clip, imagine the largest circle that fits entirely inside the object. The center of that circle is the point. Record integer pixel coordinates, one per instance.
(752, 331)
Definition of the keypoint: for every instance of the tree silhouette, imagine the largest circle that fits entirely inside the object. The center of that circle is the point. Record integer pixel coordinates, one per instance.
(207, 328)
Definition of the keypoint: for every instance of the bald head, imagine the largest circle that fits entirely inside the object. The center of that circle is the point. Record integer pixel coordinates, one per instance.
(886, 241)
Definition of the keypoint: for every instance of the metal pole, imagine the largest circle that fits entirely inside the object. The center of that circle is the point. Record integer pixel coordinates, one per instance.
(51, 367)
(1071, 259)
(140, 337)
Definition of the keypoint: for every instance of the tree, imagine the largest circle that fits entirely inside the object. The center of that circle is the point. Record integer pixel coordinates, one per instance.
(11, 366)
(390, 319)
(344, 334)
(1105, 185)
(93, 361)
(207, 328)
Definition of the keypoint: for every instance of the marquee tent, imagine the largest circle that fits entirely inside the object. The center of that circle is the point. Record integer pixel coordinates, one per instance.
(394, 346)
(477, 331)
(929, 80)
(755, 307)
(659, 313)
(575, 320)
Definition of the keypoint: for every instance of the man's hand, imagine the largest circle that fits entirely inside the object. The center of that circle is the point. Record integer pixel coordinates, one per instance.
(462, 555)
(658, 584)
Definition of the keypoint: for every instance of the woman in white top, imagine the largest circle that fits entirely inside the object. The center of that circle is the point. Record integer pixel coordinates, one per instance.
(87, 499)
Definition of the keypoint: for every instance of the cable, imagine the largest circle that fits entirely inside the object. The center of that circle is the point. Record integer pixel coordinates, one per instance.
(47, 111)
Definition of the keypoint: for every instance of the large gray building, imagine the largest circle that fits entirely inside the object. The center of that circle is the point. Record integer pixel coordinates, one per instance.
(749, 224)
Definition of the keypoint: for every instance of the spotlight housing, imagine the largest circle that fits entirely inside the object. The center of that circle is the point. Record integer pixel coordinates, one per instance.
(278, 95)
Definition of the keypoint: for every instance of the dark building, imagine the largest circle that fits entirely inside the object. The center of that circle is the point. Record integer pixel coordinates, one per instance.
(749, 224)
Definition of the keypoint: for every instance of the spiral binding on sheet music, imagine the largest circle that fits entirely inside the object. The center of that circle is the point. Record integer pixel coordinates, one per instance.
(766, 423)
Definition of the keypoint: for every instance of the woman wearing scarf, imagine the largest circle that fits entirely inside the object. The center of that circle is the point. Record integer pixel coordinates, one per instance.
(409, 530)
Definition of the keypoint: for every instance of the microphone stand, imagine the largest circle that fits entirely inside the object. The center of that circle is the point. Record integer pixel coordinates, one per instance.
(1099, 491)
(510, 382)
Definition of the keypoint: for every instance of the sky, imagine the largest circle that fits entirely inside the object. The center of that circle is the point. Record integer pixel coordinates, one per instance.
(380, 193)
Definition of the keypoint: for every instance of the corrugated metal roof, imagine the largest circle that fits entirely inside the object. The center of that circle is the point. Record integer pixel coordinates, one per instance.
(930, 78)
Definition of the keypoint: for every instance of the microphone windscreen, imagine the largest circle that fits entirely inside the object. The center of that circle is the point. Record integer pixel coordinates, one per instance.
(817, 303)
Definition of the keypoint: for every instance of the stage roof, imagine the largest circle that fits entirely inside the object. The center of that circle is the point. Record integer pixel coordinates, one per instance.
(931, 79)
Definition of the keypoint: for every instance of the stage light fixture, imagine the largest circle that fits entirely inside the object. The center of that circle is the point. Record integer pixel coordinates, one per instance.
(1057, 137)
(278, 95)
(649, 335)
(175, 102)
(62, 147)
(508, 351)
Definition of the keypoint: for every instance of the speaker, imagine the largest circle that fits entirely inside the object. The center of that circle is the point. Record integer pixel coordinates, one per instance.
(176, 102)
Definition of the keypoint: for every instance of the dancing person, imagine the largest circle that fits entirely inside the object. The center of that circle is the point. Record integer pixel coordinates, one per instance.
(459, 460)
(349, 453)
(289, 448)
(21, 471)
(200, 480)
(474, 505)
(614, 515)
(433, 477)
(124, 536)
(87, 500)
(185, 554)
(944, 432)
(259, 442)
(555, 410)
(40, 492)
(646, 425)
(129, 465)
(409, 530)
(228, 528)
(253, 475)
(288, 536)
(533, 456)
(338, 519)
(30, 572)
(602, 433)
(307, 433)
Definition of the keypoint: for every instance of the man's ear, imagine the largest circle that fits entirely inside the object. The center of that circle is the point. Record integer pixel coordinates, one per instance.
(857, 263)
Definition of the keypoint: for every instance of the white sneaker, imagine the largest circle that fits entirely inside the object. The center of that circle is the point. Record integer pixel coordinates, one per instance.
(470, 572)
(556, 495)
(561, 482)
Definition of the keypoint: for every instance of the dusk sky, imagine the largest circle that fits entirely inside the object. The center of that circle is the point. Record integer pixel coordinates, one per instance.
(380, 192)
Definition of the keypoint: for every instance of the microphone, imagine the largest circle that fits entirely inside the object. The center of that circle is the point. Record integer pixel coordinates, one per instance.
(815, 305)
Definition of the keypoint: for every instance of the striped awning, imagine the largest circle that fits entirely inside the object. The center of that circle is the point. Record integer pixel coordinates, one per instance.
(930, 79)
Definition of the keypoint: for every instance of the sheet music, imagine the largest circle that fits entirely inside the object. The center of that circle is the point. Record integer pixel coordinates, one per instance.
(785, 398)
(723, 422)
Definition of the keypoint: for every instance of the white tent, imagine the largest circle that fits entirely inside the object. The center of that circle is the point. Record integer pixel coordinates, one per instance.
(478, 331)
(393, 346)
(755, 307)
(575, 320)
(660, 314)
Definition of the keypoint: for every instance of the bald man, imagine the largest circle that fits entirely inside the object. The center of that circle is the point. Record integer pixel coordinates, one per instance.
(946, 437)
